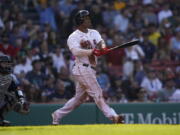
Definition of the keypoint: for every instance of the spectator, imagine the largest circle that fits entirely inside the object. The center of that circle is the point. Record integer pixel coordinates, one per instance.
(52, 40)
(139, 72)
(44, 50)
(177, 77)
(23, 66)
(108, 15)
(134, 53)
(58, 59)
(164, 13)
(60, 94)
(147, 2)
(141, 95)
(48, 89)
(103, 81)
(8, 49)
(149, 16)
(31, 55)
(175, 44)
(151, 84)
(97, 16)
(116, 57)
(48, 68)
(1, 23)
(36, 79)
(29, 29)
(176, 96)
(167, 91)
(121, 21)
(46, 13)
(119, 96)
(66, 7)
(128, 69)
(137, 20)
(69, 61)
(148, 48)
(68, 83)
(162, 50)
(154, 34)
(129, 89)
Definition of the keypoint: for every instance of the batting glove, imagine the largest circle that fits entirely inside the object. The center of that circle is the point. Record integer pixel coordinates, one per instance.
(98, 52)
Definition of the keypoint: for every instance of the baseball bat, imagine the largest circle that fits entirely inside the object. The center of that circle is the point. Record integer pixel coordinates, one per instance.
(127, 44)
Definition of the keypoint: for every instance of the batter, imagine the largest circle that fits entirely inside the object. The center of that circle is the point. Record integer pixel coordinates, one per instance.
(83, 43)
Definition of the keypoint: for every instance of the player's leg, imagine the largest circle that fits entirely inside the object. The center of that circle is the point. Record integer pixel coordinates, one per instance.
(73, 103)
(3, 110)
(95, 91)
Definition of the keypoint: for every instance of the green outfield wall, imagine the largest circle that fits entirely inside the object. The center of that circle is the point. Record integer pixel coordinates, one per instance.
(155, 113)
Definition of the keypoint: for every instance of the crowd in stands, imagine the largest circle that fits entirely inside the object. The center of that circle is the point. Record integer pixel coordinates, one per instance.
(34, 34)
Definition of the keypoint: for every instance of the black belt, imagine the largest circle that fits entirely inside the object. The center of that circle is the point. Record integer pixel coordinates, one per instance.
(87, 65)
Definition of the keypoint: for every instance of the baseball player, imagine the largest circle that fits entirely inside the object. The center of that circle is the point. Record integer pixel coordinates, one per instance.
(11, 97)
(86, 44)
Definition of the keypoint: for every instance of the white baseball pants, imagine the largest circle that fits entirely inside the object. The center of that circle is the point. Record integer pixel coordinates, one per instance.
(86, 84)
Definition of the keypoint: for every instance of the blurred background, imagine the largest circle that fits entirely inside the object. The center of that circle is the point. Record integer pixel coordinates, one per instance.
(34, 34)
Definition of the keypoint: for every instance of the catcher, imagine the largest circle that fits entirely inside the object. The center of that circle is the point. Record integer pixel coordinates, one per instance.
(11, 96)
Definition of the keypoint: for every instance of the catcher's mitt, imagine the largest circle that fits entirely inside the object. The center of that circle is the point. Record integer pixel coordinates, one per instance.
(22, 108)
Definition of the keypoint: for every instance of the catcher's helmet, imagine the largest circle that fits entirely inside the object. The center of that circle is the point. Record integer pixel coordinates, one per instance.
(5, 69)
(80, 15)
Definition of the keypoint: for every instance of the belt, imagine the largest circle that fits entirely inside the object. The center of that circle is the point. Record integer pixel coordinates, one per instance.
(87, 65)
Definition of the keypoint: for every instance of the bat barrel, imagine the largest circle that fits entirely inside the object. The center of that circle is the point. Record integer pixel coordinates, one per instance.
(127, 44)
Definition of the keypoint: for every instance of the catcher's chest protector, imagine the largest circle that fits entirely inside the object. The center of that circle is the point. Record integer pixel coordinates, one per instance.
(5, 82)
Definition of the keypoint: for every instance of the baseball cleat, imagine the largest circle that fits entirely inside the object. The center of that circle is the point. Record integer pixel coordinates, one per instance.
(118, 119)
(55, 119)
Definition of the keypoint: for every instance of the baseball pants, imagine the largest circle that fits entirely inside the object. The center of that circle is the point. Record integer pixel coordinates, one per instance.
(86, 84)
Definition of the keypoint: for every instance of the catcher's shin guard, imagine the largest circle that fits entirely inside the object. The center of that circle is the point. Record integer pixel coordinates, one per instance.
(2, 121)
(5, 123)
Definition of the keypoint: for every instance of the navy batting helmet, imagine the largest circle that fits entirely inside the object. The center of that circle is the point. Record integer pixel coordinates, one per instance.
(80, 16)
(6, 68)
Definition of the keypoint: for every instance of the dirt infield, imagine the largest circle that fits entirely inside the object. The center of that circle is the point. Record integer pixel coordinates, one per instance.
(111, 129)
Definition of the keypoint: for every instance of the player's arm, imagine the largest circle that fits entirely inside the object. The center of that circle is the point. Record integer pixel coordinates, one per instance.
(77, 49)
(22, 105)
(102, 49)
(101, 44)
(87, 52)
(81, 52)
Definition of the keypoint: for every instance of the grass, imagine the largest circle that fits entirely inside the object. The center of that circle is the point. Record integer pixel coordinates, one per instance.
(111, 129)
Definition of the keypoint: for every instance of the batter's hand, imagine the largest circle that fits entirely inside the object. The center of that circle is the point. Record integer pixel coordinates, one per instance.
(100, 52)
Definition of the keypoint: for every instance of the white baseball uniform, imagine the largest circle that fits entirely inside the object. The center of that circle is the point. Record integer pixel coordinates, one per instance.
(85, 75)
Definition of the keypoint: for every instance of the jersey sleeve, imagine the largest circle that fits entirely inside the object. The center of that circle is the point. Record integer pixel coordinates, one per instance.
(15, 80)
(97, 36)
(72, 42)
(14, 85)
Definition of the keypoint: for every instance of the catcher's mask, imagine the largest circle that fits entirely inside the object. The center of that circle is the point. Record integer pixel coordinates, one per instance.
(5, 64)
(80, 16)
